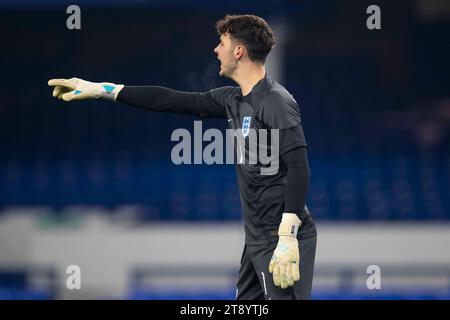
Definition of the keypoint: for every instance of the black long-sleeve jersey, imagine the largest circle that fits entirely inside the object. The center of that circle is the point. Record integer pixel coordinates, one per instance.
(264, 197)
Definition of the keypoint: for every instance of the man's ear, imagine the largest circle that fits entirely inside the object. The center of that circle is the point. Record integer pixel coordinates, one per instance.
(239, 52)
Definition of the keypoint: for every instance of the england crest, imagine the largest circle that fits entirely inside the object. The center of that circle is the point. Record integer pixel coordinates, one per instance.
(246, 126)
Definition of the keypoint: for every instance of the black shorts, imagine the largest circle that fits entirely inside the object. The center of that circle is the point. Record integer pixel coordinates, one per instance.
(256, 283)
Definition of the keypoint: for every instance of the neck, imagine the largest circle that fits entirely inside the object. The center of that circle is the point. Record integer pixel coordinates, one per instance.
(247, 76)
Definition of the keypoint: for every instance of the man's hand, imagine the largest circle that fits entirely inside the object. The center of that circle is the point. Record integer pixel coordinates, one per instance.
(79, 89)
(285, 262)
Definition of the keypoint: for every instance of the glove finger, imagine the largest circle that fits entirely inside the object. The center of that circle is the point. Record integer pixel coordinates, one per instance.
(61, 82)
(276, 275)
(291, 281)
(67, 96)
(59, 90)
(54, 82)
(70, 96)
(296, 266)
(271, 264)
(74, 95)
(289, 277)
(284, 276)
(61, 95)
(296, 270)
(56, 91)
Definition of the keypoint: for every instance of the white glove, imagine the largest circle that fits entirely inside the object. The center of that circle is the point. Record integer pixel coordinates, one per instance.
(285, 262)
(79, 89)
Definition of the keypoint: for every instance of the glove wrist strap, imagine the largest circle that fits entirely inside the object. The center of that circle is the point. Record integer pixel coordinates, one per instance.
(110, 90)
(290, 223)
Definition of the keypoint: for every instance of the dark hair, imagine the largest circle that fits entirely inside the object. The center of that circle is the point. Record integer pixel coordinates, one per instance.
(252, 31)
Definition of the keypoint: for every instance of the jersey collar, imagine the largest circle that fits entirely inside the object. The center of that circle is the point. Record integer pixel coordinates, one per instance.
(258, 89)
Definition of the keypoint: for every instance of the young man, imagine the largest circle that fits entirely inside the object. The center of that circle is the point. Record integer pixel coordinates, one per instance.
(280, 233)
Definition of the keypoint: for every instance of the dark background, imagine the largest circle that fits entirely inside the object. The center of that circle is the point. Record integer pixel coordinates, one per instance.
(375, 106)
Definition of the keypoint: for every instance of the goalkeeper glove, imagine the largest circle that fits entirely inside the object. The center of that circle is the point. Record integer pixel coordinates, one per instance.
(79, 89)
(285, 262)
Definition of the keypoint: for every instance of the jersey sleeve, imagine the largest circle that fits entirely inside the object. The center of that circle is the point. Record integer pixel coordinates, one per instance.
(223, 95)
(297, 180)
(291, 138)
(210, 104)
(278, 112)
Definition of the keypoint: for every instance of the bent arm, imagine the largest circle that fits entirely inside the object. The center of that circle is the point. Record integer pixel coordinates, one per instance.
(298, 175)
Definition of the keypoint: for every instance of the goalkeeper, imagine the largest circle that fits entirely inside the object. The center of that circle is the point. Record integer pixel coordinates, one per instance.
(280, 234)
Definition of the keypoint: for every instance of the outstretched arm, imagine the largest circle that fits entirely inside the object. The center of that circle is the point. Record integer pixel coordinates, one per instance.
(204, 105)
(163, 99)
